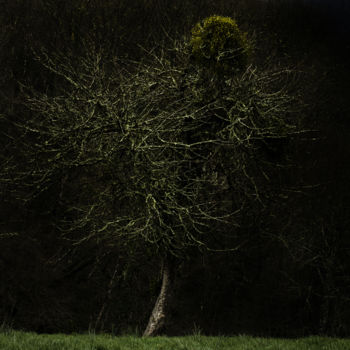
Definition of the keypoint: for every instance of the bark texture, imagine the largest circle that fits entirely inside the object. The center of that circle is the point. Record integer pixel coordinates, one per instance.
(157, 319)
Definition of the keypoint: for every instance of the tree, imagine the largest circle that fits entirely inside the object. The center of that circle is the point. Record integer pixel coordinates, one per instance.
(159, 152)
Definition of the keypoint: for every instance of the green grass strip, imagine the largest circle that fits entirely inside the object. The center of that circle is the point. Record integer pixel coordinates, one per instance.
(14, 340)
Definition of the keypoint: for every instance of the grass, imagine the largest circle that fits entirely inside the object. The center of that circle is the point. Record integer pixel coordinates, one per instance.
(15, 340)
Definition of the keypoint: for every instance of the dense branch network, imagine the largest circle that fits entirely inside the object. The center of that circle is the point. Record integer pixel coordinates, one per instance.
(160, 150)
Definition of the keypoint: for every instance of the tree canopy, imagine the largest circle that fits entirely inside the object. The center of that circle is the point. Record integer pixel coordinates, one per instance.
(160, 151)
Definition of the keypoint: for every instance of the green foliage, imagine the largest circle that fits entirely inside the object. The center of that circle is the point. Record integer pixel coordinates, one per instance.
(218, 42)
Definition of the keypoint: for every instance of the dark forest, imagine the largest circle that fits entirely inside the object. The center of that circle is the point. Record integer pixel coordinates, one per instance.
(137, 175)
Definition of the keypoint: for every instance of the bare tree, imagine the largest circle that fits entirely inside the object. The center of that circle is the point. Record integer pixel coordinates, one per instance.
(159, 151)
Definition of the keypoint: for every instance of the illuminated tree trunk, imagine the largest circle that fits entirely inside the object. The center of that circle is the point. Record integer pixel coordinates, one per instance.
(157, 319)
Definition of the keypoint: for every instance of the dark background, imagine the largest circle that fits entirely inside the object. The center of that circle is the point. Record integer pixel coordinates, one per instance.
(290, 279)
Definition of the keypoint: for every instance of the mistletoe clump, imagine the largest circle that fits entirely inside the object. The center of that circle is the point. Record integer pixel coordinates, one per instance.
(218, 43)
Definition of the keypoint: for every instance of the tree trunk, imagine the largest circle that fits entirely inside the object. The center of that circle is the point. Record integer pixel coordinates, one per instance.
(156, 321)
